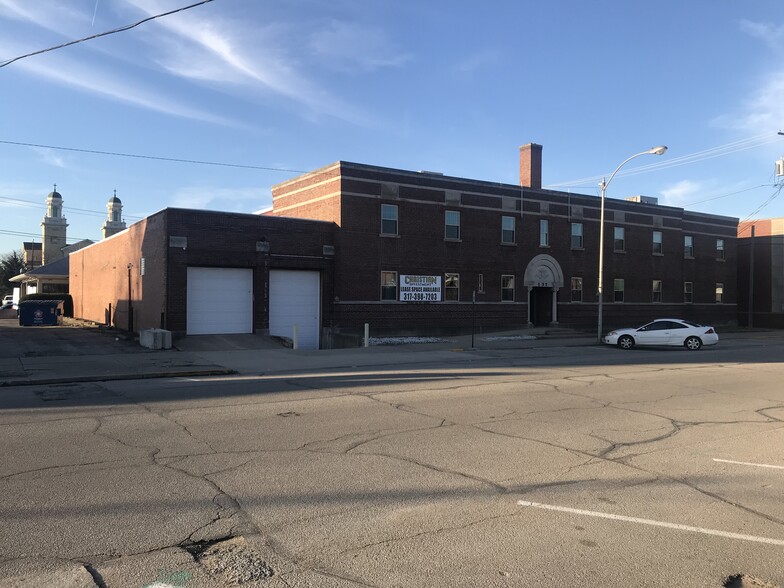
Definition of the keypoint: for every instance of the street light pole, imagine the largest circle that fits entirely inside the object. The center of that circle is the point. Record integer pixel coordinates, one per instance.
(653, 151)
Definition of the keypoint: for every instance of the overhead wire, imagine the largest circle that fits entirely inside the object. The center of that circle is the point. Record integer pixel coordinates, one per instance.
(112, 32)
(154, 157)
(84, 211)
(705, 154)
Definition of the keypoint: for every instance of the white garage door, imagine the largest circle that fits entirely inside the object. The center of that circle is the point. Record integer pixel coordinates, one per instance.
(220, 301)
(295, 299)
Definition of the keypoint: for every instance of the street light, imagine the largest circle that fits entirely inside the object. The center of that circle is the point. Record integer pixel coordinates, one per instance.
(652, 151)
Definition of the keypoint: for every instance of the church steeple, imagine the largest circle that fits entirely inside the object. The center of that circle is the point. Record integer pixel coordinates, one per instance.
(114, 222)
(53, 228)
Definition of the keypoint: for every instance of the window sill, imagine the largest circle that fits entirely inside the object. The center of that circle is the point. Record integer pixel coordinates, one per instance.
(721, 259)
(503, 244)
(544, 246)
(657, 254)
(688, 257)
(619, 251)
(578, 248)
(448, 240)
(389, 236)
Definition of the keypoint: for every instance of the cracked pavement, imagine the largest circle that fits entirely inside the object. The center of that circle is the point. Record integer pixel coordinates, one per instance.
(405, 474)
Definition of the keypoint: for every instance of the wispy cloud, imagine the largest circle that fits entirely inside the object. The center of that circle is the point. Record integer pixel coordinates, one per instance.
(255, 58)
(50, 157)
(230, 199)
(478, 61)
(226, 54)
(762, 112)
(100, 81)
(356, 47)
(772, 35)
(682, 193)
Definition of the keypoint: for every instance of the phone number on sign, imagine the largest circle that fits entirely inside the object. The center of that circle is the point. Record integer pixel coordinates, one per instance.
(419, 297)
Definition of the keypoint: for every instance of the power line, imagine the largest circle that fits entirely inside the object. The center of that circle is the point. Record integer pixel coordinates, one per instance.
(710, 153)
(153, 157)
(31, 204)
(118, 30)
(770, 199)
(37, 235)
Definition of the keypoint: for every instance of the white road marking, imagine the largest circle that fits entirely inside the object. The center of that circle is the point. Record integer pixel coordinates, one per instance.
(603, 515)
(746, 463)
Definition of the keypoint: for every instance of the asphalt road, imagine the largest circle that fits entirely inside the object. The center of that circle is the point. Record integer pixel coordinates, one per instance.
(548, 467)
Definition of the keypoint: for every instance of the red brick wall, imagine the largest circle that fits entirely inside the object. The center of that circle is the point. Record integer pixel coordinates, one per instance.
(99, 277)
(313, 196)
(420, 248)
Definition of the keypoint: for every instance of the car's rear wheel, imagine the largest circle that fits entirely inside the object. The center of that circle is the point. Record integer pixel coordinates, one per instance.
(626, 342)
(692, 343)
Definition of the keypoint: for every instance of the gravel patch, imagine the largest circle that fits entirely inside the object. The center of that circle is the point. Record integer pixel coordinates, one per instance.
(234, 562)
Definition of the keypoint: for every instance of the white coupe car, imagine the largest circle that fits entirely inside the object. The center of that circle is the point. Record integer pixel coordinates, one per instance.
(674, 332)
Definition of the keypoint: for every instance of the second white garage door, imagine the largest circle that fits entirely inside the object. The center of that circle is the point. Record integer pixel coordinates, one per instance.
(295, 299)
(220, 301)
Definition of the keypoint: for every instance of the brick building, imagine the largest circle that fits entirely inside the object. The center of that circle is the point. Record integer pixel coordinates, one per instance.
(765, 253)
(204, 272)
(409, 252)
(509, 255)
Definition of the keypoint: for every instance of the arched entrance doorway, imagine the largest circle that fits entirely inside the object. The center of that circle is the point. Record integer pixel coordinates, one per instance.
(543, 278)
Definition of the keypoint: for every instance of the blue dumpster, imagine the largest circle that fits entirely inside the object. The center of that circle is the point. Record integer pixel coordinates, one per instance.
(40, 313)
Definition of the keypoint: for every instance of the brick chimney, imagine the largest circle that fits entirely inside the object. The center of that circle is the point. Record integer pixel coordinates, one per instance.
(531, 166)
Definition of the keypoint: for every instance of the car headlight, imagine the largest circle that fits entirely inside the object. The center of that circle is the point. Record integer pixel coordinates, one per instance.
(612, 334)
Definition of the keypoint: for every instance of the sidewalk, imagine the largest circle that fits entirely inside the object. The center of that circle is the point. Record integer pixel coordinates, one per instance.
(226, 356)
(232, 358)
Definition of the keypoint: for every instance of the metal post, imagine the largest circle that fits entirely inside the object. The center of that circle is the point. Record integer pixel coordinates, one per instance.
(295, 338)
(473, 317)
(130, 308)
(601, 263)
(751, 280)
(367, 335)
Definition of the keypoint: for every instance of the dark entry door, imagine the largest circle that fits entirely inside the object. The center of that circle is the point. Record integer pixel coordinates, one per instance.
(541, 306)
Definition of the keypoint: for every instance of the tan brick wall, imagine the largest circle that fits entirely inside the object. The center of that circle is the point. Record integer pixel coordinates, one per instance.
(99, 277)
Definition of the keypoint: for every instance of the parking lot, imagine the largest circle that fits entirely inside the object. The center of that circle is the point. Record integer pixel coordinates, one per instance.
(540, 465)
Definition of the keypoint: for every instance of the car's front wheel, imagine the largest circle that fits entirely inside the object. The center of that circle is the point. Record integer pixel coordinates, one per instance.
(692, 343)
(626, 342)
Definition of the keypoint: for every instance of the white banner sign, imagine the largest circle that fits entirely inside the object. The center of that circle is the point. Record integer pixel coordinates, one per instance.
(420, 288)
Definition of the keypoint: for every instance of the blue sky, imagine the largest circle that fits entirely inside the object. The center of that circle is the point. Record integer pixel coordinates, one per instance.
(434, 85)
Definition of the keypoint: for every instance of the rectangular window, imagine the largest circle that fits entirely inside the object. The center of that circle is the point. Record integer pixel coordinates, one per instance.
(389, 219)
(577, 289)
(452, 287)
(688, 292)
(719, 248)
(719, 293)
(619, 239)
(544, 233)
(688, 246)
(577, 235)
(657, 243)
(618, 290)
(481, 284)
(452, 225)
(507, 229)
(657, 291)
(507, 288)
(388, 285)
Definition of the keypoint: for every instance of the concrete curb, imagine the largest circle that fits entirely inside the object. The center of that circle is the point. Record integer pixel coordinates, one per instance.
(115, 377)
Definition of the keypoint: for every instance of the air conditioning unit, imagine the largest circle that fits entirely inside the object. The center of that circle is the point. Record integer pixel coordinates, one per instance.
(780, 167)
